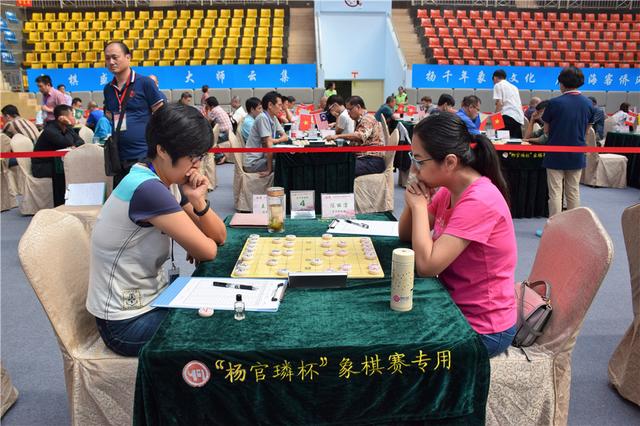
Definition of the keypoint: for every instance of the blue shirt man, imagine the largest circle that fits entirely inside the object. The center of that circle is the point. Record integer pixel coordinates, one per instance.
(94, 116)
(473, 125)
(247, 123)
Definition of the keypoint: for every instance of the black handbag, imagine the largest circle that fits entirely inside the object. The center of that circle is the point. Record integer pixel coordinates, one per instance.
(112, 164)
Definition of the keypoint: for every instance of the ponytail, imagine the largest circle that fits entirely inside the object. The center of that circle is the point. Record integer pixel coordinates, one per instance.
(487, 163)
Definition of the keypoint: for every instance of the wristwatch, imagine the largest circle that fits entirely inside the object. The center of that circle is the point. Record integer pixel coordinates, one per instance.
(203, 211)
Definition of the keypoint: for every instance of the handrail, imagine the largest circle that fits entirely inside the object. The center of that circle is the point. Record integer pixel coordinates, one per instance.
(319, 71)
(396, 41)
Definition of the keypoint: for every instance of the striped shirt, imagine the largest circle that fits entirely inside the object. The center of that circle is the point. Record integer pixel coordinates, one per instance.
(219, 116)
(23, 127)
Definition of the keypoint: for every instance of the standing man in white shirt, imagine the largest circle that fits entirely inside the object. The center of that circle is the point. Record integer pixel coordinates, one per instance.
(508, 103)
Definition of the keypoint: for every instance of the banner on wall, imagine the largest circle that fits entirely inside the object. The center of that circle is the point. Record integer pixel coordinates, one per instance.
(533, 78)
(188, 77)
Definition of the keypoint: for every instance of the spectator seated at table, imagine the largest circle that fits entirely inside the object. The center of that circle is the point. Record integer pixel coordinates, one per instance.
(621, 117)
(386, 110)
(57, 134)
(532, 107)
(94, 115)
(536, 135)
(286, 115)
(426, 105)
(78, 112)
(216, 115)
(16, 124)
(237, 113)
(255, 108)
(131, 238)
(330, 117)
(446, 103)
(598, 119)
(368, 132)
(344, 123)
(470, 113)
(265, 132)
(474, 259)
(102, 131)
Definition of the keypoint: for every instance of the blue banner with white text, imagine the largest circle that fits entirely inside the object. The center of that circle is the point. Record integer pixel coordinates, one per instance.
(188, 77)
(525, 78)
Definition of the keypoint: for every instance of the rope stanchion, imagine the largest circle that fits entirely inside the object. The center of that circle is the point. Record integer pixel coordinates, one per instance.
(401, 148)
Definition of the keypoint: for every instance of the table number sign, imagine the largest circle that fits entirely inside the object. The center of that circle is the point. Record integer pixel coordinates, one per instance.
(260, 203)
(303, 205)
(338, 206)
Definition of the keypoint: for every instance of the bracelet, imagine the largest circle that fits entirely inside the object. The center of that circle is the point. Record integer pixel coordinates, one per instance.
(203, 211)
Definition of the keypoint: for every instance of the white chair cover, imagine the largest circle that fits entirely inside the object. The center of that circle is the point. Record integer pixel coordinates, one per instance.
(7, 193)
(37, 192)
(246, 184)
(85, 164)
(86, 134)
(374, 193)
(8, 392)
(574, 263)
(100, 384)
(604, 170)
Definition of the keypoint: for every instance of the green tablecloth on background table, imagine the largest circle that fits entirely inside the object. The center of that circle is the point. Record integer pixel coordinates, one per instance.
(324, 172)
(633, 165)
(319, 334)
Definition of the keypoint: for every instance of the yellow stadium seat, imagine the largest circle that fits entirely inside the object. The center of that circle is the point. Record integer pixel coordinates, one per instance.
(48, 36)
(33, 37)
(116, 15)
(134, 63)
(265, 13)
(167, 23)
(184, 54)
(54, 46)
(238, 13)
(148, 34)
(174, 43)
(76, 57)
(177, 33)
(250, 22)
(46, 57)
(232, 42)
(62, 16)
(103, 16)
(163, 33)
(202, 43)
(90, 36)
(263, 32)
(198, 54)
(171, 14)
(148, 63)
(181, 23)
(138, 55)
(220, 32)
(179, 62)
(97, 46)
(191, 33)
(153, 24)
(262, 42)
(185, 14)
(276, 52)
(247, 42)
(244, 61)
(159, 43)
(234, 32)
(62, 57)
(51, 65)
(278, 13)
(165, 63)
(138, 24)
(143, 15)
(252, 13)
(83, 46)
(168, 54)
(187, 43)
(28, 26)
(217, 42)
(153, 54)
(83, 26)
(260, 52)
(117, 35)
(278, 32)
(55, 26)
(265, 22)
(212, 13)
(49, 16)
(98, 64)
(129, 42)
(142, 44)
(245, 53)
(129, 15)
(228, 61)
(195, 61)
(36, 17)
(211, 61)
(83, 65)
(110, 25)
(124, 25)
(70, 26)
(236, 22)
(69, 46)
(277, 42)
(158, 14)
(275, 61)
(208, 23)
(278, 22)
(195, 23)
(225, 13)
(30, 58)
(197, 13)
(214, 53)
(43, 26)
(133, 34)
(207, 33)
(89, 16)
(67, 65)
(99, 25)
(223, 22)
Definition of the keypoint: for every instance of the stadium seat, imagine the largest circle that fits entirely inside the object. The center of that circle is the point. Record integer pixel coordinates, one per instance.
(541, 55)
(485, 33)
(462, 43)
(562, 45)
(532, 25)
(173, 43)
(513, 35)
(472, 33)
(526, 55)
(477, 43)
(570, 56)
(554, 35)
(555, 56)
(591, 45)
(434, 42)
(519, 25)
(498, 54)
(491, 44)
(448, 42)
(506, 44)
(585, 56)
(547, 45)
(499, 33)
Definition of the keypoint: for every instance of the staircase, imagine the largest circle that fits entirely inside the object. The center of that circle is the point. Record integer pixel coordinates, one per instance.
(407, 37)
(25, 102)
(302, 36)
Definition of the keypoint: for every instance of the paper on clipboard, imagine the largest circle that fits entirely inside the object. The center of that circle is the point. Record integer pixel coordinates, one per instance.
(195, 293)
(378, 228)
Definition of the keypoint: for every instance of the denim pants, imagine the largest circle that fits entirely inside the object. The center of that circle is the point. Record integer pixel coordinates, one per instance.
(126, 337)
(497, 343)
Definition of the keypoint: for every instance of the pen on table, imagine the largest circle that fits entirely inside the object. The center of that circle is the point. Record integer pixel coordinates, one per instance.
(231, 285)
(353, 222)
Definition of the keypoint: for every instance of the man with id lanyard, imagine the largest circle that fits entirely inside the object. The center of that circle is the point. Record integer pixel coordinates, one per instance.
(131, 98)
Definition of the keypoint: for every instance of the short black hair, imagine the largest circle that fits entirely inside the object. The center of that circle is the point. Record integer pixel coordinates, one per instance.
(61, 85)
(252, 103)
(10, 110)
(74, 100)
(62, 110)
(501, 74)
(356, 100)
(180, 130)
(470, 100)
(625, 106)
(44, 79)
(186, 95)
(571, 77)
(212, 102)
(446, 98)
(124, 47)
(205, 88)
(335, 99)
(270, 97)
(291, 99)
(542, 105)
(593, 100)
(389, 99)
(426, 99)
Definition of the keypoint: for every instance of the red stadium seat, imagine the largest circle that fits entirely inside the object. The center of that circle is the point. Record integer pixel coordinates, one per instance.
(472, 33)
(554, 35)
(564, 16)
(585, 26)
(590, 45)
(532, 25)
(590, 17)
(547, 45)
(614, 17)
(453, 53)
(570, 56)
(558, 25)
(534, 64)
(443, 32)
(500, 15)
(623, 65)
(549, 64)
(479, 23)
(635, 35)
(477, 43)
(499, 33)
(519, 25)
(552, 16)
(526, 55)
(430, 32)
(461, 14)
(513, 35)
(443, 62)
(624, 26)
(488, 62)
(602, 17)
(466, 23)
(541, 55)
(458, 62)
(483, 54)
(448, 13)
(512, 55)
(595, 65)
(504, 63)
(541, 34)
(562, 45)
(534, 45)
(519, 63)
(598, 26)
(563, 64)
(473, 62)
(452, 23)
(599, 57)
(556, 55)
(580, 65)
(491, 43)
(608, 35)
(474, 14)
(519, 44)
(439, 22)
(618, 46)
(493, 23)
(498, 54)
(434, 42)
(547, 25)
(526, 35)
(468, 54)
(485, 33)
(615, 57)
(627, 17)
(628, 57)
(514, 16)
(576, 17)
(538, 16)
(611, 26)
(425, 22)
(632, 45)
(525, 16)
(506, 24)
(438, 53)
(462, 43)
(448, 42)
(435, 13)
(576, 46)
(487, 14)
(595, 35)
(458, 32)
(422, 13)
(572, 25)
(567, 35)
(585, 56)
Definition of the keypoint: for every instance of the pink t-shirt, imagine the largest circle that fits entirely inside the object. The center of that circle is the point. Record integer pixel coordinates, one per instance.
(481, 279)
(52, 100)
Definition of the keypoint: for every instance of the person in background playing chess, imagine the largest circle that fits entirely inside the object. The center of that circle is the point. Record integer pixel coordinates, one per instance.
(475, 260)
(163, 198)
(532, 135)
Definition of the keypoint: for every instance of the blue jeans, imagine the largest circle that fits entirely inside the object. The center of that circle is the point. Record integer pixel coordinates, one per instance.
(126, 337)
(497, 343)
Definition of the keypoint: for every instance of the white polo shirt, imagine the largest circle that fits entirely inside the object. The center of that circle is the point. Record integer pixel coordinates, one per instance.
(510, 97)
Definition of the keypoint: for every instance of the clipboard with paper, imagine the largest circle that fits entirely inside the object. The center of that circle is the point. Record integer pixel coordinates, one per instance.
(378, 228)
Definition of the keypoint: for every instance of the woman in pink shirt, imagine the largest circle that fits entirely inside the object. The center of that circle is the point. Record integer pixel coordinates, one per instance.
(473, 247)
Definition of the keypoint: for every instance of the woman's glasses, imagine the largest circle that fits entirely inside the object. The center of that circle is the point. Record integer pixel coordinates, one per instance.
(418, 163)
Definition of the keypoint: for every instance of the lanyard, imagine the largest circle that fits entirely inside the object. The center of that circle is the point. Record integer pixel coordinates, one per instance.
(120, 97)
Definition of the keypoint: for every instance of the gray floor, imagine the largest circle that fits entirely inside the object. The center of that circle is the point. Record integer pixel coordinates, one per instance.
(31, 355)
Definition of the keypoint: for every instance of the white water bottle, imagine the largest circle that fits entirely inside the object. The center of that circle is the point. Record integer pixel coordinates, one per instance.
(402, 265)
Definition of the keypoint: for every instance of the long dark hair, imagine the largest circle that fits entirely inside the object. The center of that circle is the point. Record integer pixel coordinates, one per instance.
(445, 133)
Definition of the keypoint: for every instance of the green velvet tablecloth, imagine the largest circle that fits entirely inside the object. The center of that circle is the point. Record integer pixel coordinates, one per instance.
(633, 163)
(327, 357)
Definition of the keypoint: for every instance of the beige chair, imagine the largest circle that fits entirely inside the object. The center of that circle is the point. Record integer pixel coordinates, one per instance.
(8, 392)
(13, 175)
(385, 131)
(605, 170)
(7, 193)
(536, 392)
(609, 125)
(37, 193)
(374, 193)
(86, 134)
(208, 165)
(238, 136)
(85, 164)
(246, 184)
(100, 384)
(624, 366)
